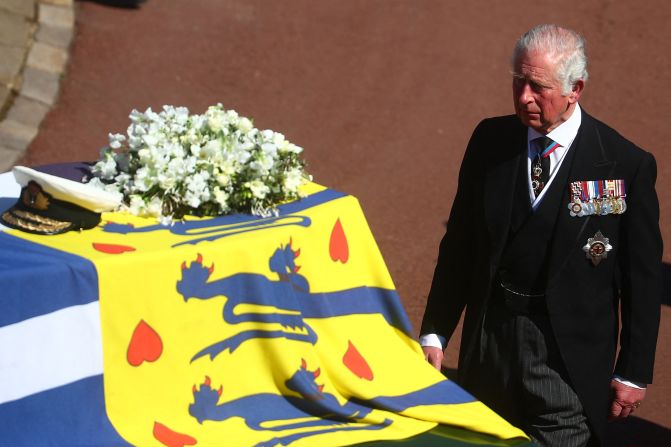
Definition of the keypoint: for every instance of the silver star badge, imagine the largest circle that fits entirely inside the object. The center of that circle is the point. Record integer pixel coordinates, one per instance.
(597, 248)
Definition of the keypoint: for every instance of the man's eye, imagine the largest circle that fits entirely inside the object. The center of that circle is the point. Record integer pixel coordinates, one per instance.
(521, 82)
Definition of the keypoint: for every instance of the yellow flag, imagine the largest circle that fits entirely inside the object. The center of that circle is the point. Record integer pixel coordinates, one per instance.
(245, 331)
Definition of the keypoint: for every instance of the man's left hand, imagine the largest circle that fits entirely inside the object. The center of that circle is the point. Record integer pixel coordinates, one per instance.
(625, 399)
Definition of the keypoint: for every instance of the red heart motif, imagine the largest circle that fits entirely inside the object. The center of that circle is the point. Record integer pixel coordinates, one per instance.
(338, 247)
(145, 345)
(355, 362)
(112, 249)
(170, 437)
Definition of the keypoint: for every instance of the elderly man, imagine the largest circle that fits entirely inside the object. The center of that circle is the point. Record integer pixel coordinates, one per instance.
(553, 239)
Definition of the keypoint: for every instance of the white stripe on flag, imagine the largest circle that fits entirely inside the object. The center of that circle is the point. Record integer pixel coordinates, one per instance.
(49, 351)
(8, 189)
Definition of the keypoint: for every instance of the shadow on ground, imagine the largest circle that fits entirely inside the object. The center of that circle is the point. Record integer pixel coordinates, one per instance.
(636, 432)
(117, 3)
(666, 290)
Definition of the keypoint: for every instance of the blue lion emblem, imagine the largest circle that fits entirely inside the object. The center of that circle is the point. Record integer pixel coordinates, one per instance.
(308, 406)
(286, 301)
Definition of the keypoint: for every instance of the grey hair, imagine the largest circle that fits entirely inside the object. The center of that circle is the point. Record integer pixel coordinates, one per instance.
(562, 44)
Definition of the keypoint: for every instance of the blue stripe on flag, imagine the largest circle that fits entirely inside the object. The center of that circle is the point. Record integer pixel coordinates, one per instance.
(72, 415)
(27, 272)
(441, 393)
(315, 199)
(359, 300)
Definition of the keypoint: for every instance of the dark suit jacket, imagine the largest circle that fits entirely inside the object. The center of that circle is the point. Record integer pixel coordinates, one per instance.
(583, 300)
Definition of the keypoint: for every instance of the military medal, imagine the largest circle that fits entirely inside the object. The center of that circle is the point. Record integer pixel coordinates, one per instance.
(576, 208)
(577, 205)
(597, 197)
(597, 248)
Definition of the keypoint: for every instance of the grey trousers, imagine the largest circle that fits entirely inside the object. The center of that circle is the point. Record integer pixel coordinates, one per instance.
(524, 380)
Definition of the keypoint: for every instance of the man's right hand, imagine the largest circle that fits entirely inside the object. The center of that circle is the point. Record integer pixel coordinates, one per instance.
(434, 356)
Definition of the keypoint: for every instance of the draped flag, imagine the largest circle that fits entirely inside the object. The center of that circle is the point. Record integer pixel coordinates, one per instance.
(236, 331)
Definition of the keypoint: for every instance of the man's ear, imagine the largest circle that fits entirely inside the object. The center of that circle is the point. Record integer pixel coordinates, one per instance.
(576, 91)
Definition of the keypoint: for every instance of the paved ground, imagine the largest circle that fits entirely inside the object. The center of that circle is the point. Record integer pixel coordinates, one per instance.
(35, 36)
(382, 94)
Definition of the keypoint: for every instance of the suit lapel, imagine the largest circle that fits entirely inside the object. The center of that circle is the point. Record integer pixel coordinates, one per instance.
(501, 175)
(590, 162)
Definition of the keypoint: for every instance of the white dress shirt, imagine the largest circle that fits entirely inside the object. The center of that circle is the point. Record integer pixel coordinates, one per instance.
(564, 134)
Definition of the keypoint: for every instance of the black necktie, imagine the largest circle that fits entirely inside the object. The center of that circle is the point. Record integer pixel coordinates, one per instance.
(540, 166)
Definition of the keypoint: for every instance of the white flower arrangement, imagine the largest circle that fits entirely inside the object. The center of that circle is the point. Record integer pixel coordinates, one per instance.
(173, 163)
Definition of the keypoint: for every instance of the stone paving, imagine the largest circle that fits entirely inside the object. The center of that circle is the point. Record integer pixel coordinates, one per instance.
(35, 36)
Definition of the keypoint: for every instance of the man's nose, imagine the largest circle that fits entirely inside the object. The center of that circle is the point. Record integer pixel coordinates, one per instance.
(525, 95)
